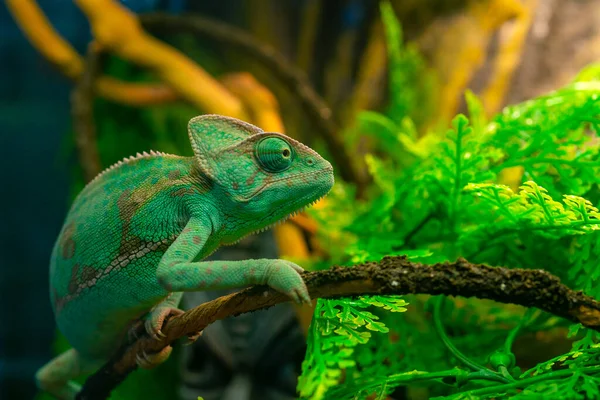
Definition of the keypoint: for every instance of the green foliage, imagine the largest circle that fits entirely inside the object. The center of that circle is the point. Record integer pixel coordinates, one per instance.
(552, 139)
(438, 196)
(338, 328)
(411, 84)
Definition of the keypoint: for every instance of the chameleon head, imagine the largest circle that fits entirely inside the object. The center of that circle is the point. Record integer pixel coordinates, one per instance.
(263, 177)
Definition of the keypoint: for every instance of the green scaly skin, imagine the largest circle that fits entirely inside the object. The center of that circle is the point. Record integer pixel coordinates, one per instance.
(134, 238)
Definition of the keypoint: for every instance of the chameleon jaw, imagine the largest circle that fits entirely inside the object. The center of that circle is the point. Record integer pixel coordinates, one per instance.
(278, 222)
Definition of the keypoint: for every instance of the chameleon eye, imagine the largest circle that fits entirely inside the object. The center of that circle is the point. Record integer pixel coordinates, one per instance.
(274, 154)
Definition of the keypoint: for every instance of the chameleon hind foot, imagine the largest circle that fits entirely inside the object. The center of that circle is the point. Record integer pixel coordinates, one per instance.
(156, 319)
(192, 338)
(149, 361)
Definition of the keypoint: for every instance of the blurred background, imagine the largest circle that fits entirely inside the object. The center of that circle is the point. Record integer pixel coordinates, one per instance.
(304, 66)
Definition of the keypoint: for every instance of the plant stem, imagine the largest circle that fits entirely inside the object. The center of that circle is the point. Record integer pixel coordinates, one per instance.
(408, 378)
(527, 382)
(512, 335)
(448, 343)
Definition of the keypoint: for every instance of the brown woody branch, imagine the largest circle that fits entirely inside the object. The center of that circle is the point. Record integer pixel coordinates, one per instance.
(392, 275)
(82, 112)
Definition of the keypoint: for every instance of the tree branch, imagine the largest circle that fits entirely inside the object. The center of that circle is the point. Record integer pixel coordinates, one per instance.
(118, 31)
(82, 110)
(36, 27)
(392, 275)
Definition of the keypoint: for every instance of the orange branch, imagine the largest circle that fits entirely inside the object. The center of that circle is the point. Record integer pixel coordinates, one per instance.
(118, 30)
(134, 94)
(54, 48)
(512, 41)
(45, 38)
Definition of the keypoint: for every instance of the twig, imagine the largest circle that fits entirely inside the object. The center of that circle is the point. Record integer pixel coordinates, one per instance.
(410, 235)
(290, 75)
(392, 275)
(82, 108)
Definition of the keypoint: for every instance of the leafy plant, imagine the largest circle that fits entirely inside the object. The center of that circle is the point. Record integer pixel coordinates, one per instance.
(338, 328)
(438, 196)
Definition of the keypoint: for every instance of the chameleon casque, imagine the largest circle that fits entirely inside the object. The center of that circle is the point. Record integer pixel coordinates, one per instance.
(135, 236)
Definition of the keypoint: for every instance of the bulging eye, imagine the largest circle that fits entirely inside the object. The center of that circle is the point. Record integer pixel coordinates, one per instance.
(274, 154)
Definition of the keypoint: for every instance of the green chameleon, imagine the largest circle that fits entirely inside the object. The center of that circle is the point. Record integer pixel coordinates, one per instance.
(134, 238)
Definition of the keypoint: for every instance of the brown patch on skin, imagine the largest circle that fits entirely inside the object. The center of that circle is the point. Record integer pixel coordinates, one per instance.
(217, 281)
(73, 282)
(224, 267)
(128, 246)
(87, 274)
(201, 182)
(197, 239)
(127, 210)
(183, 191)
(59, 302)
(163, 247)
(174, 174)
(67, 244)
(235, 185)
(209, 271)
(250, 180)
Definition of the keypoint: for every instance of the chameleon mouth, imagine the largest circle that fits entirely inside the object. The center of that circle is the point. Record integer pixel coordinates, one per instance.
(261, 188)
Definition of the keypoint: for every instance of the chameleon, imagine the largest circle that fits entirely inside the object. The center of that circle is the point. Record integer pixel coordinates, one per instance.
(135, 238)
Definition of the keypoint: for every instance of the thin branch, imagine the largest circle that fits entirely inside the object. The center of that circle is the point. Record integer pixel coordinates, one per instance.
(82, 109)
(392, 275)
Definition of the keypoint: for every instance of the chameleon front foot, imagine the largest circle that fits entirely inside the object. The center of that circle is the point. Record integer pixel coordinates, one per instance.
(152, 360)
(284, 276)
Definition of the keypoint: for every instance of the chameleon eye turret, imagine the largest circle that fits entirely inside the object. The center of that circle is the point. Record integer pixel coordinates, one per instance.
(274, 154)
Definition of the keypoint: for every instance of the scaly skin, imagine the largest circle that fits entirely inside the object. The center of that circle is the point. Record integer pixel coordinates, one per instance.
(135, 236)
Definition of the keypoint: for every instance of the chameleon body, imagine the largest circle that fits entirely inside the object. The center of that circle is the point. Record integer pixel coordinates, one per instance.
(135, 236)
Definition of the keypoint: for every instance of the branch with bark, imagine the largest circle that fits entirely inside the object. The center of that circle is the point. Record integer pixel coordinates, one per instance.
(392, 275)
(59, 52)
(82, 112)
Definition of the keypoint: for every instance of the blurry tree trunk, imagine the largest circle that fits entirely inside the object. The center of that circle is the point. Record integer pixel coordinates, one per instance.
(564, 37)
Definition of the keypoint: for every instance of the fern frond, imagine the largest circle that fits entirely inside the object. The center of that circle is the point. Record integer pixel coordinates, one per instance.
(337, 328)
(550, 138)
(533, 210)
